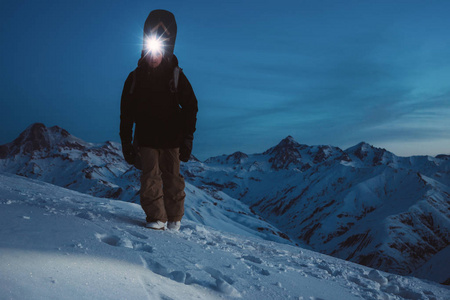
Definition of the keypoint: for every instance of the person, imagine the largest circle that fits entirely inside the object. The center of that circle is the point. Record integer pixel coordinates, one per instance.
(159, 101)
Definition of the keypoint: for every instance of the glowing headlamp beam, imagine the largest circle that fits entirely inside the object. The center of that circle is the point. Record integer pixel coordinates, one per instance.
(153, 45)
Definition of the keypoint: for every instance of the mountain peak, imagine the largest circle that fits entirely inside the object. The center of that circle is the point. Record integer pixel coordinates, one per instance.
(289, 140)
(35, 126)
(34, 131)
(59, 130)
(288, 143)
(236, 157)
(38, 137)
(360, 147)
(35, 137)
(367, 152)
(285, 153)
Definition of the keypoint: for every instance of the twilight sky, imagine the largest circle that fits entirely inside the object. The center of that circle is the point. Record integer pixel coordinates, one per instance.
(326, 72)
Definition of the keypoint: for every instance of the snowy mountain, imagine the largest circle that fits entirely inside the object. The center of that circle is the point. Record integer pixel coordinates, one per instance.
(60, 244)
(363, 204)
(54, 156)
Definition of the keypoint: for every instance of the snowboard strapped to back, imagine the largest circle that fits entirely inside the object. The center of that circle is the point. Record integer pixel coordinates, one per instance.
(161, 27)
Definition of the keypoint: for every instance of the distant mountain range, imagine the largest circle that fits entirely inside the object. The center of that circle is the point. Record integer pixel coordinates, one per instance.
(362, 204)
(54, 156)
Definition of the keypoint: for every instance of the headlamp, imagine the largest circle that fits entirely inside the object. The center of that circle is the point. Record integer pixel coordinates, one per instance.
(154, 45)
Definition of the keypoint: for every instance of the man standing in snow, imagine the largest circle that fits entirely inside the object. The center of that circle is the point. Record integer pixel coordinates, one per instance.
(159, 99)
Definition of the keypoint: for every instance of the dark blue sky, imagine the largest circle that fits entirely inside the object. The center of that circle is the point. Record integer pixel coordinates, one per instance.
(325, 72)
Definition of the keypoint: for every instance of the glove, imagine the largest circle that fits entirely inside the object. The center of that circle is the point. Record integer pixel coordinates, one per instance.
(186, 148)
(129, 153)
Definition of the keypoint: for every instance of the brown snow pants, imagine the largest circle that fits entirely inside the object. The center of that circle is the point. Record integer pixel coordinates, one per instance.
(162, 185)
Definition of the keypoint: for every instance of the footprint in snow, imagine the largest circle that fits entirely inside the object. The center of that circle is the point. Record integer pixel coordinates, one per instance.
(226, 288)
(87, 215)
(114, 240)
(250, 260)
(143, 247)
(158, 268)
(253, 259)
(376, 276)
(216, 274)
(257, 269)
(224, 283)
(131, 232)
(155, 266)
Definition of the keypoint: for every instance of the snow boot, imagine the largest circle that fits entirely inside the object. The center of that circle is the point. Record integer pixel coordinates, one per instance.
(158, 225)
(175, 226)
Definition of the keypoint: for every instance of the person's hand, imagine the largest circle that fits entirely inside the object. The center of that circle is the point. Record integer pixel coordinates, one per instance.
(186, 148)
(129, 153)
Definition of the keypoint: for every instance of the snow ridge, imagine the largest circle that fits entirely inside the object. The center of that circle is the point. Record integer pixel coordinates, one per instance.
(362, 204)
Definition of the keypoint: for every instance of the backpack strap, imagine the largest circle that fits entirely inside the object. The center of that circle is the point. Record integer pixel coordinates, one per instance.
(176, 77)
(174, 85)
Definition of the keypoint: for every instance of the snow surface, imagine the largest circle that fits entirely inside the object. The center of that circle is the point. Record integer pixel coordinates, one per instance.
(60, 244)
(363, 204)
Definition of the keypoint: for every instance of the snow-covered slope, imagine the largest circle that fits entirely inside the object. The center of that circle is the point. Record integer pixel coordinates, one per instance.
(53, 155)
(60, 244)
(362, 204)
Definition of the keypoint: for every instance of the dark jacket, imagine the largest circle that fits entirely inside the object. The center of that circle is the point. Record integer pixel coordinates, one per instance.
(163, 117)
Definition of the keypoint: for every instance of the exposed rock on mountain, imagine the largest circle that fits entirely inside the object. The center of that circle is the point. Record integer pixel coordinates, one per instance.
(55, 156)
(363, 204)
